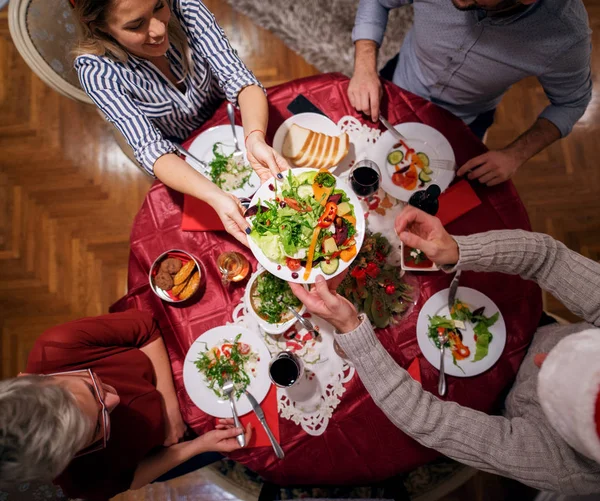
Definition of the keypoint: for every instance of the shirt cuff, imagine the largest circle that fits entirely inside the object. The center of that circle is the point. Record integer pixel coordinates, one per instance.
(558, 116)
(148, 155)
(360, 341)
(238, 82)
(368, 31)
(469, 251)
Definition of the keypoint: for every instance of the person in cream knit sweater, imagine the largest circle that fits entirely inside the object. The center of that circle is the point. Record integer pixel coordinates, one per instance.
(549, 434)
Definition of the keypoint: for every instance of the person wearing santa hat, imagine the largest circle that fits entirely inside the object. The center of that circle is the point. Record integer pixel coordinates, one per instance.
(549, 434)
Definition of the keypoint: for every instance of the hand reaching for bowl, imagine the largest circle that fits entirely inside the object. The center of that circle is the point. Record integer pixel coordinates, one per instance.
(426, 233)
(325, 302)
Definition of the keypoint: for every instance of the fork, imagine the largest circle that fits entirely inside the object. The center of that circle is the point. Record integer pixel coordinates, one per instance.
(228, 392)
(442, 164)
(307, 324)
(238, 153)
(443, 339)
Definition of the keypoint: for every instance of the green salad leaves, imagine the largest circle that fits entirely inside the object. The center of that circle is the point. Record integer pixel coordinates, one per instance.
(273, 297)
(226, 173)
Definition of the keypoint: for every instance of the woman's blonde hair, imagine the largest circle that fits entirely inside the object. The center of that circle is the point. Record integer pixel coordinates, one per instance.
(91, 15)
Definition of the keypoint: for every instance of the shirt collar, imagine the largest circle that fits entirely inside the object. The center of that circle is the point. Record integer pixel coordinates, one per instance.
(482, 15)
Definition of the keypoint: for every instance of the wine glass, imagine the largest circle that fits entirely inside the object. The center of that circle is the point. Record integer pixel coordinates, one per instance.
(365, 178)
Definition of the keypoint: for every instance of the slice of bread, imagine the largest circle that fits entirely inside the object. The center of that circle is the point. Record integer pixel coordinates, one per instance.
(327, 153)
(306, 150)
(295, 141)
(317, 151)
(342, 150)
(306, 159)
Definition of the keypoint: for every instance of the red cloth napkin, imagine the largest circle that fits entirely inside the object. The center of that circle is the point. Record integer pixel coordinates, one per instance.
(269, 407)
(199, 216)
(414, 370)
(456, 201)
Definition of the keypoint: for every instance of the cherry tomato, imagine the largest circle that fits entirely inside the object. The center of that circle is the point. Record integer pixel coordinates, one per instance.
(243, 348)
(226, 349)
(292, 264)
(441, 330)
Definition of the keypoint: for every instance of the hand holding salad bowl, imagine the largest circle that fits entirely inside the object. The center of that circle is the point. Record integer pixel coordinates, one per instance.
(306, 225)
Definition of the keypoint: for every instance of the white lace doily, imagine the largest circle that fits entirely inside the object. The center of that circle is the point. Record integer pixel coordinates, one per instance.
(311, 402)
(362, 137)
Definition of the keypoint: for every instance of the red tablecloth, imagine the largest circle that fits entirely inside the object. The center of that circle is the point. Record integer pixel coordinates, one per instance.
(360, 445)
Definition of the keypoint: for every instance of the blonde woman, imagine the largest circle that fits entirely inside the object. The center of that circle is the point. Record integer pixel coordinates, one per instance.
(158, 69)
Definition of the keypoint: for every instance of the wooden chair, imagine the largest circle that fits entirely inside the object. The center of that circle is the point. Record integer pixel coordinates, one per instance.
(44, 32)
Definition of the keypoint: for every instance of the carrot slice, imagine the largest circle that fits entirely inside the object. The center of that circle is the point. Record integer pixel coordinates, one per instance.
(347, 254)
(311, 252)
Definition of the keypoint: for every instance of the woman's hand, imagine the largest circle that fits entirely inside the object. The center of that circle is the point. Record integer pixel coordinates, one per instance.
(222, 439)
(231, 213)
(426, 233)
(174, 426)
(328, 304)
(264, 159)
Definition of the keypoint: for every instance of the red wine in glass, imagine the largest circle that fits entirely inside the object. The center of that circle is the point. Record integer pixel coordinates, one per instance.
(285, 369)
(365, 178)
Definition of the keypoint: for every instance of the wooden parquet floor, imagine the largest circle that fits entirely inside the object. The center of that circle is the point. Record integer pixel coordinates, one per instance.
(68, 194)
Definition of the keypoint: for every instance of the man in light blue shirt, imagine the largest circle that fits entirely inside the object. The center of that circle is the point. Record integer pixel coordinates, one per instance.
(465, 54)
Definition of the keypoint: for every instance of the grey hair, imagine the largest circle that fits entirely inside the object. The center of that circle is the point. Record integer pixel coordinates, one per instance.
(41, 429)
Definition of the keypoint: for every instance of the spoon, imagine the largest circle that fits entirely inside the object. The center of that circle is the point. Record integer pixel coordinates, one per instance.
(228, 392)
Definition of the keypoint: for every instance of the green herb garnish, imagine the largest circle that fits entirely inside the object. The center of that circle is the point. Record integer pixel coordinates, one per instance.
(325, 179)
(224, 171)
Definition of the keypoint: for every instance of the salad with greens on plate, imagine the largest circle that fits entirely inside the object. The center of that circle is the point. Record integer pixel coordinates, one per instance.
(228, 360)
(308, 223)
(227, 172)
(460, 314)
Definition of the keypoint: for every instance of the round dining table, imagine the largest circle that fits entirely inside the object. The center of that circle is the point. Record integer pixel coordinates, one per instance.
(360, 445)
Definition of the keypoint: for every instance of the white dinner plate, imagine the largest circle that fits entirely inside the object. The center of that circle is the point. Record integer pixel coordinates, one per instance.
(438, 305)
(313, 121)
(283, 272)
(202, 148)
(195, 384)
(423, 138)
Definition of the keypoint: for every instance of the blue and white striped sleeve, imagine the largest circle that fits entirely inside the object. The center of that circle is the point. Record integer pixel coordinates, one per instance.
(101, 83)
(232, 73)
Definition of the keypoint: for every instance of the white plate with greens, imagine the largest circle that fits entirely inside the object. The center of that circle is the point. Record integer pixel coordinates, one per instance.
(292, 221)
(215, 147)
(197, 383)
(494, 335)
(394, 160)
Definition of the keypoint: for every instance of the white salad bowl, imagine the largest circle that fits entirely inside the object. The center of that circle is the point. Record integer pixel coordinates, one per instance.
(268, 327)
(267, 192)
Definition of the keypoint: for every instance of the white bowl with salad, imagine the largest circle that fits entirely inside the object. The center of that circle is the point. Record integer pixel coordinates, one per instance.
(308, 224)
(267, 299)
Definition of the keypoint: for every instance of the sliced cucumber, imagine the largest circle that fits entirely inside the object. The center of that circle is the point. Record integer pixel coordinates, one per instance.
(424, 177)
(305, 190)
(329, 268)
(425, 162)
(307, 177)
(395, 157)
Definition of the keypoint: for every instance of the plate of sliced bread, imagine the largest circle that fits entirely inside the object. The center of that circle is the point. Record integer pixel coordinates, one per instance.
(311, 140)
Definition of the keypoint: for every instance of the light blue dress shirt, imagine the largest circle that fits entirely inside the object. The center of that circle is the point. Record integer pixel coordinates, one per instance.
(465, 61)
(146, 107)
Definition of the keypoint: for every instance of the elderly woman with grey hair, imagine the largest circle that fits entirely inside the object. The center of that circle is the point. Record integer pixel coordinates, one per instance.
(97, 411)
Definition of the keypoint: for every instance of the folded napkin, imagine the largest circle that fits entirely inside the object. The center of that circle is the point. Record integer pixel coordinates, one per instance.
(199, 216)
(456, 201)
(269, 407)
(414, 369)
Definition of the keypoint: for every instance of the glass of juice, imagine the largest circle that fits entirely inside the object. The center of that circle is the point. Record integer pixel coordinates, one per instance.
(233, 266)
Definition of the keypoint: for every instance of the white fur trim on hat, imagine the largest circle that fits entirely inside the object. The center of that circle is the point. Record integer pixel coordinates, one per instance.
(568, 386)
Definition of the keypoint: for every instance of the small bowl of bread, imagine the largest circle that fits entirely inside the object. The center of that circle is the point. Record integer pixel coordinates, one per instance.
(175, 276)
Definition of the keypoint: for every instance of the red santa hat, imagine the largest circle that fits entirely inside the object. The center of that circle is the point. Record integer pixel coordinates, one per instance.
(569, 391)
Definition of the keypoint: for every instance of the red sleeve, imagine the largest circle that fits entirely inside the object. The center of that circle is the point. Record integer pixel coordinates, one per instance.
(68, 344)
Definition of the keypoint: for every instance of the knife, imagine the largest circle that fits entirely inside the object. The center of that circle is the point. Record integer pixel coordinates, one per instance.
(203, 165)
(261, 417)
(452, 291)
(391, 128)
